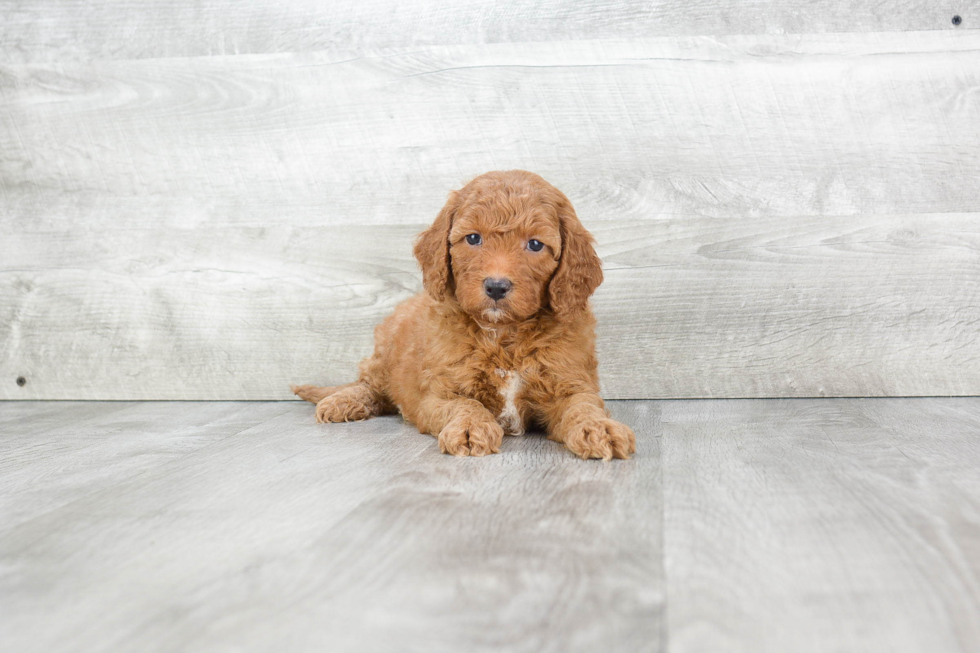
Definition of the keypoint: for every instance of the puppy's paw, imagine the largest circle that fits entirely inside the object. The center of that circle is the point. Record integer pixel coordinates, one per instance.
(599, 437)
(341, 407)
(468, 436)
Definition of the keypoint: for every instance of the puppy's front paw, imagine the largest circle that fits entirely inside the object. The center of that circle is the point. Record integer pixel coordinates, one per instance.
(599, 437)
(469, 436)
(341, 407)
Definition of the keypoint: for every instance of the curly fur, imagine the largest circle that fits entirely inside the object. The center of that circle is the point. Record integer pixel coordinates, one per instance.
(466, 368)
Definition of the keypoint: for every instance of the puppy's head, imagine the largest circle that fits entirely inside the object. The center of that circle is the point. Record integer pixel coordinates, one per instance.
(507, 246)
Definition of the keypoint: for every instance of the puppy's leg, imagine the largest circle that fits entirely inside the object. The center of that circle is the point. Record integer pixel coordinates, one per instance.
(581, 422)
(350, 404)
(464, 427)
(344, 403)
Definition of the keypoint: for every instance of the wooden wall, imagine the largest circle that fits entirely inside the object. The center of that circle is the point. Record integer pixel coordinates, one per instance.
(210, 200)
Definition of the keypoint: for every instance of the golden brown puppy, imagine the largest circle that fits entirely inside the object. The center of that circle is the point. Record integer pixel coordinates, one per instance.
(503, 338)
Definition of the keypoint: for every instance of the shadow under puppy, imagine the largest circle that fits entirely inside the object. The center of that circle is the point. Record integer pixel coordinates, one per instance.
(503, 337)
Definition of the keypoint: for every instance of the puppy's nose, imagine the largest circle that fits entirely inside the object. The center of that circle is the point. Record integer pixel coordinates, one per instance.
(497, 288)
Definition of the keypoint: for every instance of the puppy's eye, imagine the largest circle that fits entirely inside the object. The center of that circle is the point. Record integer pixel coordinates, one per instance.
(535, 245)
(474, 239)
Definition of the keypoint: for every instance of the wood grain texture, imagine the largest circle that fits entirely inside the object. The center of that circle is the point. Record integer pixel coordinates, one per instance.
(54, 455)
(62, 30)
(289, 535)
(848, 525)
(700, 307)
(740, 525)
(838, 124)
(779, 215)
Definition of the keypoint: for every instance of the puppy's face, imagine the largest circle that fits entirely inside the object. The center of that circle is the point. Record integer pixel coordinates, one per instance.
(507, 246)
(503, 256)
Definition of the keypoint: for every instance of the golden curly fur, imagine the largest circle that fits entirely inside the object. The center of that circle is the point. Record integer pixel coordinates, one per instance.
(502, 339)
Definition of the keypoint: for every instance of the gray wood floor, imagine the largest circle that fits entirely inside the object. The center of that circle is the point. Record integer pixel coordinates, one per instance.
(741, 525)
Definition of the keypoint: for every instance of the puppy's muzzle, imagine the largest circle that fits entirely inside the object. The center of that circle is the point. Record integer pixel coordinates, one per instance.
(497, 289)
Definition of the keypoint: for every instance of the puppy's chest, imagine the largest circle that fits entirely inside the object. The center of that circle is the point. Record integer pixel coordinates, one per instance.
(500, 390)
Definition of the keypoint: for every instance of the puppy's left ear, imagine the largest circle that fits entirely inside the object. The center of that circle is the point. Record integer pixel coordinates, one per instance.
(432, 252)
(579, 270)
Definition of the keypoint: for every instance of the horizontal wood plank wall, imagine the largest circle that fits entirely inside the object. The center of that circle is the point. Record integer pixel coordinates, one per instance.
(56, 30)
(779, 214)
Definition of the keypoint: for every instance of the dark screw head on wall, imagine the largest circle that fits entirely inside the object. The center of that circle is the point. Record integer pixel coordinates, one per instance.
(957, 20)
(21, 381)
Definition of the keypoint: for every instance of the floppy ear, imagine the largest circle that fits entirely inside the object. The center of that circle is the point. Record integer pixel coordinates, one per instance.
(579, 270)
(432, 252)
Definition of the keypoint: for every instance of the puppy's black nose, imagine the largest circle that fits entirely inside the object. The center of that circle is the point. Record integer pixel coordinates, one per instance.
(497, 288)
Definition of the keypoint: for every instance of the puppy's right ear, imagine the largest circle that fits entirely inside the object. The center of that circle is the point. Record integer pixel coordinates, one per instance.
(432, 252)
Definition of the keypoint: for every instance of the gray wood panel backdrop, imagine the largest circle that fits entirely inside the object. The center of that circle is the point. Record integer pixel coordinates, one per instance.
(213, 199)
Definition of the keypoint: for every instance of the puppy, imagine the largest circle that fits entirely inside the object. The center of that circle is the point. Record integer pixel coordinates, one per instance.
(502, 338)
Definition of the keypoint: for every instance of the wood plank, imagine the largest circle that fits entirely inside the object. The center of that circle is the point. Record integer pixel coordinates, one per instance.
(44, 467)
(292, 534)
(692, 307)
(867, 306)
(221, 315)
(847, 525)
(64, 30)
(30, 418)
(838, 124)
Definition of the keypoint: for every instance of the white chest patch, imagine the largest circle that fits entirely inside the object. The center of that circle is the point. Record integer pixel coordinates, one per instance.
(510, 418)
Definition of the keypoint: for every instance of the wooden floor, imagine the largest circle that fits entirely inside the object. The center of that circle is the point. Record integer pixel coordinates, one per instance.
(741, 525)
